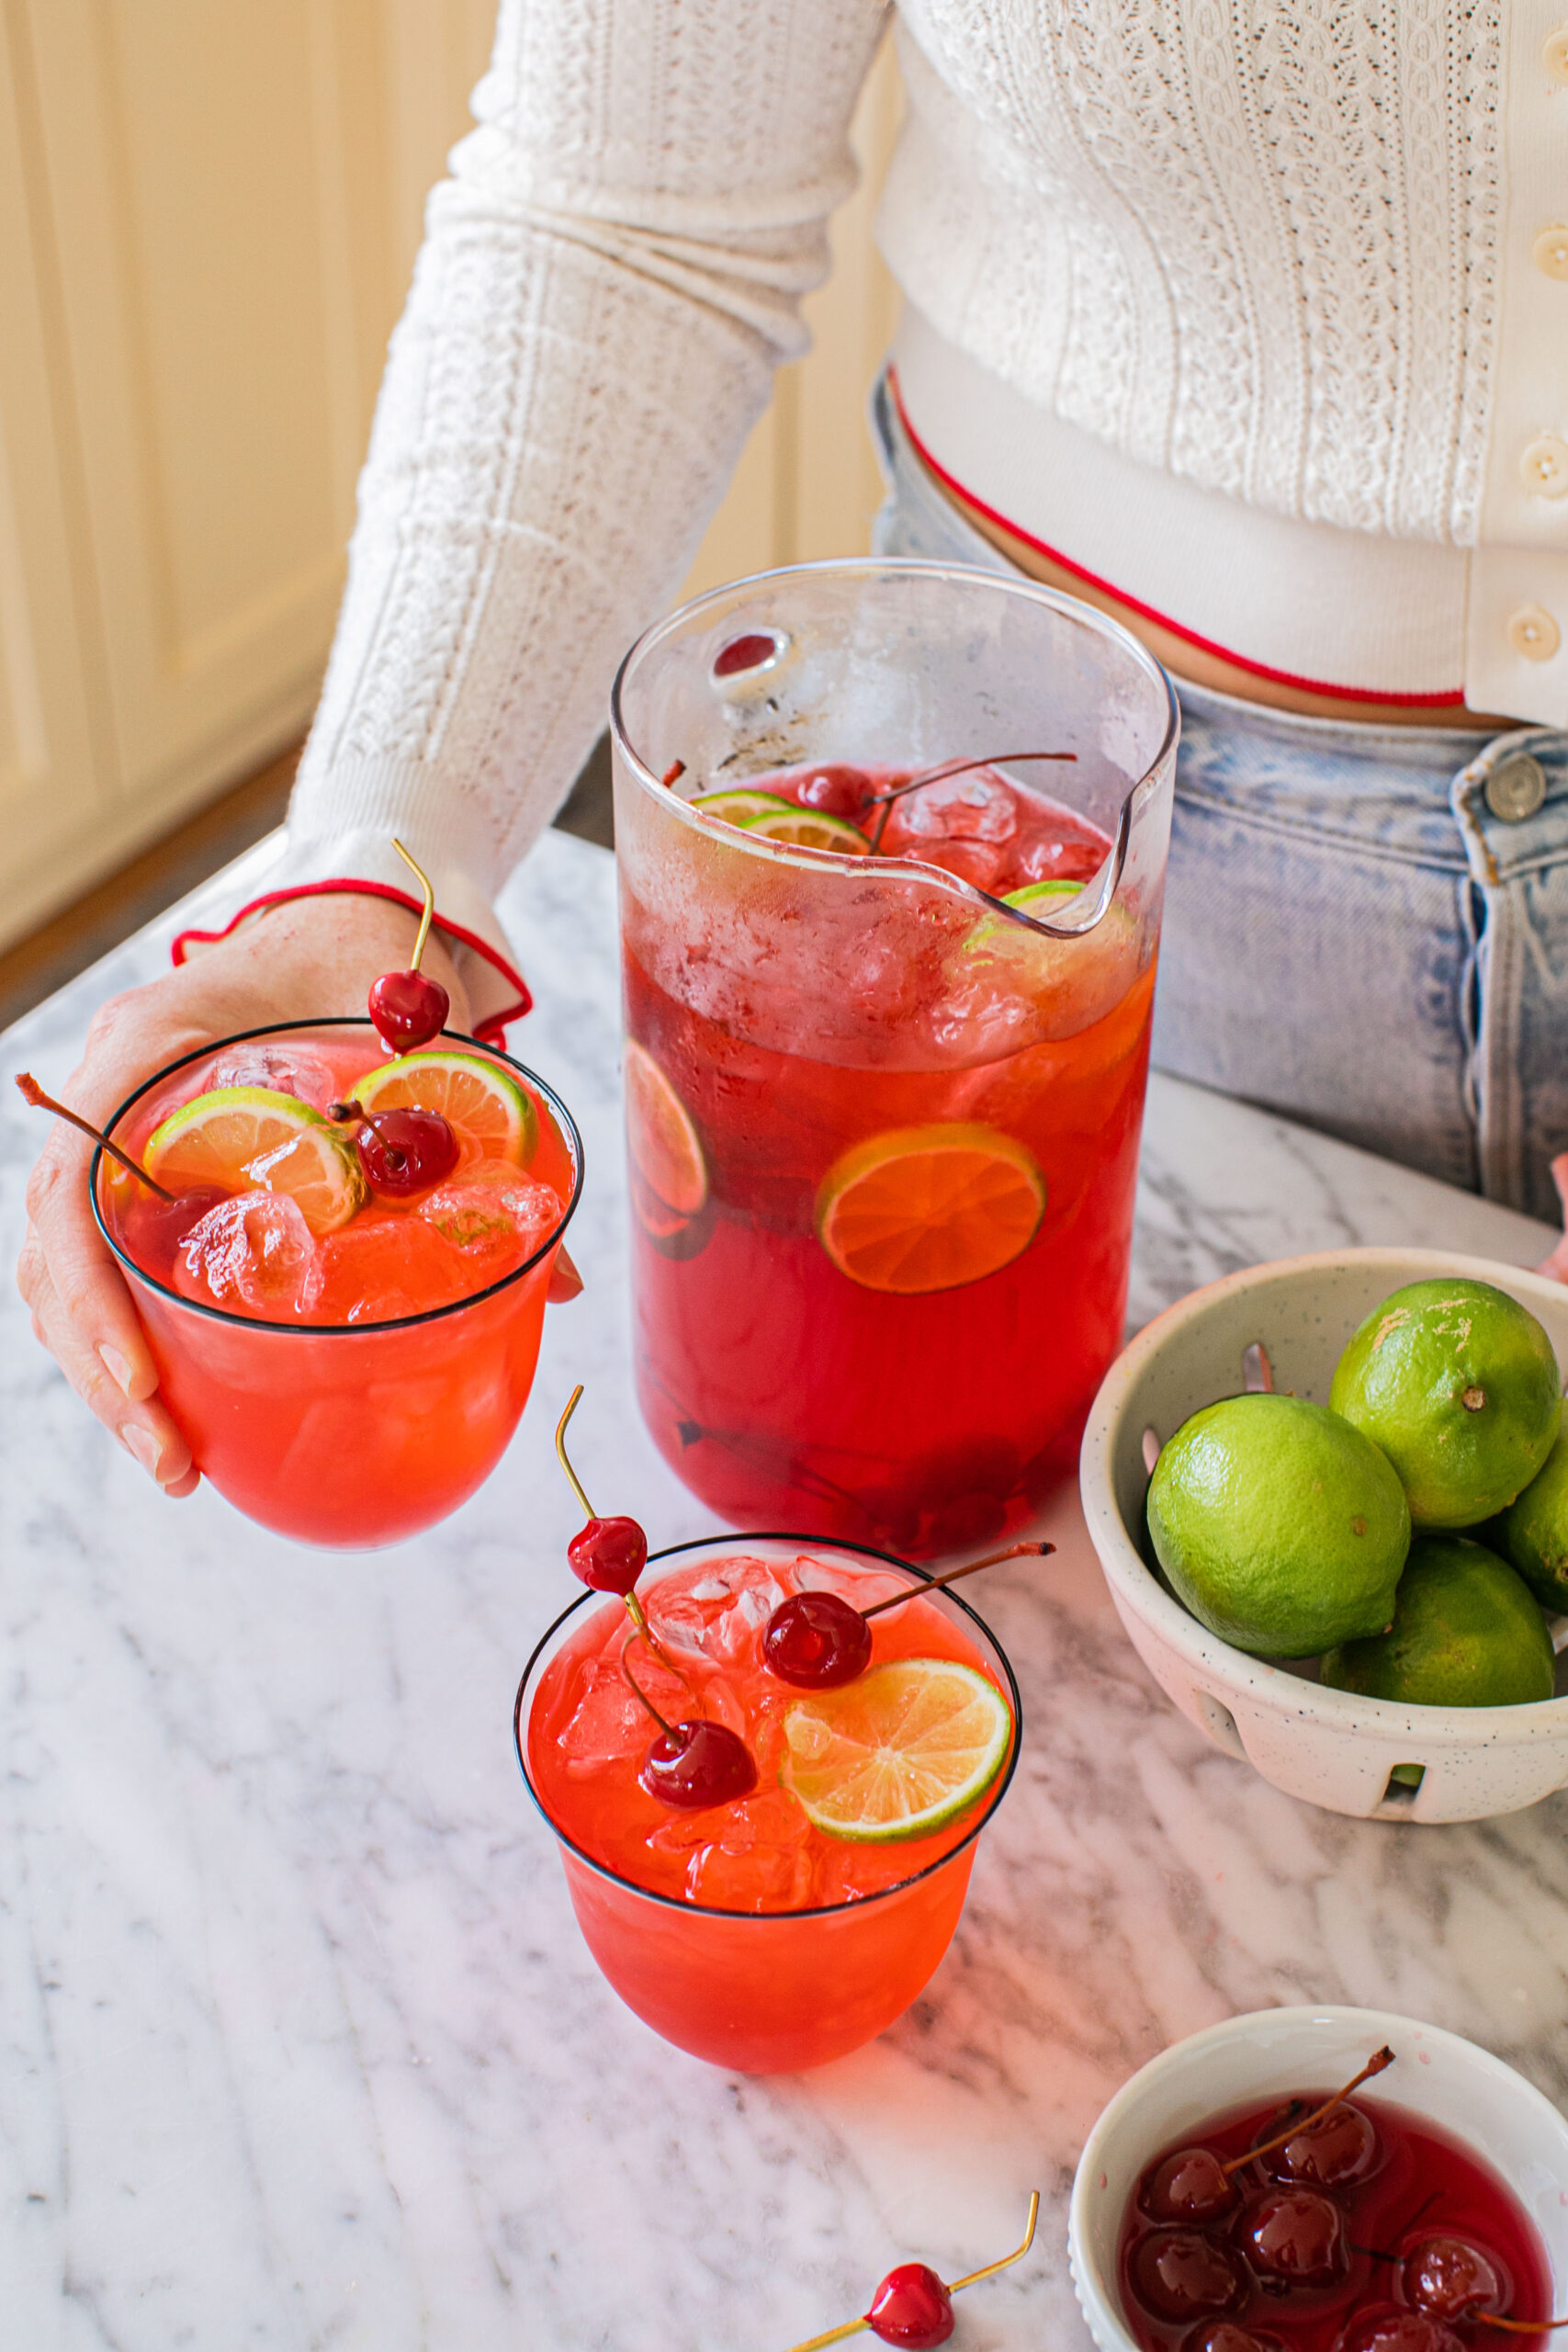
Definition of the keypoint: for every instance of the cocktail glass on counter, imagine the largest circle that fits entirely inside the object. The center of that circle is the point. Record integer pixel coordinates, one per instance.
(347, 1367)
(742, 1931)
(888, 1041)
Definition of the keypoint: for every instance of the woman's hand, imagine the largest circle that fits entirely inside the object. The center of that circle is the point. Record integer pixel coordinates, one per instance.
(306, 959)
(1557, 1264)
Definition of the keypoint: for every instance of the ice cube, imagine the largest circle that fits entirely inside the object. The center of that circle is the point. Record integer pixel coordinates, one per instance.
(253, 1253)
(960, 808)
(720, 1616)
(494, 1214)
(380, 1270)
(609, 1723)
(755, 1859)
(282, 1068)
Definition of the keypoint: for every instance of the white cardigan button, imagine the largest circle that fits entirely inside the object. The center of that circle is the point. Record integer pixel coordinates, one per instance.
(1534, 633)
(1550, 250)
(1543, 466)
(1554, 53)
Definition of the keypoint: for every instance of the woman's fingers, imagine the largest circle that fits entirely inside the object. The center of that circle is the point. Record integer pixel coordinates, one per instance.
(142, 1425)
(1557, 1264)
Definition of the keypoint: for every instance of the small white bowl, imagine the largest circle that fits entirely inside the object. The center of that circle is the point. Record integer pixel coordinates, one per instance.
(1332, 1748)
(1271, 2053)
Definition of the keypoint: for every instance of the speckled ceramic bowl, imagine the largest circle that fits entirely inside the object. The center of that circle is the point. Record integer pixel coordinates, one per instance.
(1268, 2052)
(1333, 1748)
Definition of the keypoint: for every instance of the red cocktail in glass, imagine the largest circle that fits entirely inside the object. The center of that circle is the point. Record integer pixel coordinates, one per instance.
(741, 1932)
(361, 1388)
(886, 1055)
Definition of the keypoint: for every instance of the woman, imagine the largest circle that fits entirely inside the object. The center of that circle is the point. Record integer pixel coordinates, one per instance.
(1252, 325)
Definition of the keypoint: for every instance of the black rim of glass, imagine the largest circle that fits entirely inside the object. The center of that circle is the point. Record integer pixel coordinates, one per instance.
(993, 1797)
(455, 1038)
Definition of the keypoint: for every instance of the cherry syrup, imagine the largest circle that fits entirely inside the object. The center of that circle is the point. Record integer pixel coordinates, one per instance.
(1372, 2230)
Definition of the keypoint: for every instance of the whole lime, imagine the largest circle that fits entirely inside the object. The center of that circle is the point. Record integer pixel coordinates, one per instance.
(1532, 1533)
(1466, 1633)
(1457, 1384)
(1281, 1528)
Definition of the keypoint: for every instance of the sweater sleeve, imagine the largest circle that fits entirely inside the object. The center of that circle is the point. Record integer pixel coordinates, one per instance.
(607, 280)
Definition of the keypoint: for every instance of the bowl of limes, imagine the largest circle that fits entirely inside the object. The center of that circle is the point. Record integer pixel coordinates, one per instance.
(1330, 1499)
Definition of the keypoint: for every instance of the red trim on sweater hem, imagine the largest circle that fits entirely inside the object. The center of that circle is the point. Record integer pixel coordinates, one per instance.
(1146, 612)
(491, 1031)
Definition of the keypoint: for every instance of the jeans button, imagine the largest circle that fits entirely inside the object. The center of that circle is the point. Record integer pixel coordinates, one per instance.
(1515, 788)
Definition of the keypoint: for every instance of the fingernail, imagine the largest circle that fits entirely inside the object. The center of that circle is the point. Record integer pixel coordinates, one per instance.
(141, 1442)
(118, 1369)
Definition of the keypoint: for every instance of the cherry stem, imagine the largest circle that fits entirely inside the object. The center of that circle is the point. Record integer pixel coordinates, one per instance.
(342, 1112)
(1375, 2064)
(634, 1610)
(939, 773)
(1519, 2326)
(424, 883)
(33, 1093)
(936, 1584)
(668, 1729)
(970, 2278)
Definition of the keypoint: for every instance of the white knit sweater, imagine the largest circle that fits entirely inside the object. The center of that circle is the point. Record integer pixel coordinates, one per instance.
(1294, 269)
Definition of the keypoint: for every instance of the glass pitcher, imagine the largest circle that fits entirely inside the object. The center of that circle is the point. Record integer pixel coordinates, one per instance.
(882, 1112)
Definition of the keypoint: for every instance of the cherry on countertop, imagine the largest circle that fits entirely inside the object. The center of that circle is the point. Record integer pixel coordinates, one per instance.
(911, 2308)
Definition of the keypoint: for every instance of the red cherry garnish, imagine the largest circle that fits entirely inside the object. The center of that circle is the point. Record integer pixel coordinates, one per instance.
(1181, 2274)
(1229, 2335)
(911, 2307)
(609, 1554)
(837, 791)
(1452, 2279)
(697, 1763)
(159, 1226)
(402, 1152)
(409, 1009)
(1191, 2186)
(816, 1641)
(1294, 2237)
(743, 653)
(1328, 2149)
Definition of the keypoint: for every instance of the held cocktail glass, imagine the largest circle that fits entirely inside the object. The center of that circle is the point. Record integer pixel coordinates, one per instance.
(769, 1992)
(351, 1434)
(811, 1032)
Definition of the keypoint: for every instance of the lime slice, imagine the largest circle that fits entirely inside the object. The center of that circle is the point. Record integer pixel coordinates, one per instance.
(242, 1137)
(665, 1147)
(809, 829)
(739, 804)
(900, 1752)
(492, 1116)
(1028, 900)
(929, 1208)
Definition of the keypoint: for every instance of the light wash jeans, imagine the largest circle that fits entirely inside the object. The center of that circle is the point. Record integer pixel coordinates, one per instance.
(1366, 928)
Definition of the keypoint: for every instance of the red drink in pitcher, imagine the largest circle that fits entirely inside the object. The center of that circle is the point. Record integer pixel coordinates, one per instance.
(888, 1040)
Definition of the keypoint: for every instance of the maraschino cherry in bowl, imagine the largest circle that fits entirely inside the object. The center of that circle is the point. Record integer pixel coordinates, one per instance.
(741, 1883)
(1225, 2200)
(341, 1258)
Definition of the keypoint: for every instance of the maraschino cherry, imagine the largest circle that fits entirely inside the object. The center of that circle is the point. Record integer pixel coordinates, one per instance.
(609, 1554)
(162, 1229)
(913, 2307)
(410, 1008)
(402, 1151)
(817, 1641)
(1192, 2186)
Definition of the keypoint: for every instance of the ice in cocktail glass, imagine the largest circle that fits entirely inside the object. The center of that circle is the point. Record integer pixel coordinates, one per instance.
(742, 1931)
(886, 1046)
(347, 1378)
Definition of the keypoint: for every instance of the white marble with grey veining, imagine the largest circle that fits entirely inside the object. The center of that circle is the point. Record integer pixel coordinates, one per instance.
(299, 2044)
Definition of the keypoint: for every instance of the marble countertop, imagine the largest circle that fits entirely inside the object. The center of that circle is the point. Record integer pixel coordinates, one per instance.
(300, 2046)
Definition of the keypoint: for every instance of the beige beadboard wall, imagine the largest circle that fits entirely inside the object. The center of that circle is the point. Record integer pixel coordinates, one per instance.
(208, 211)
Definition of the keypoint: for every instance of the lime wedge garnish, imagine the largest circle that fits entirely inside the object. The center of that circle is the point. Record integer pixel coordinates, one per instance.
(666, 1149)
(900, 1752)
(491, 1115)
(738, 804)
(242, 1137)
(929, 1208)
(809, 829)
(1030, 900)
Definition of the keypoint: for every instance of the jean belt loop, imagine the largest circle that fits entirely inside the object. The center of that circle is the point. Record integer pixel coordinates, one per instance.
(1493, 797)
